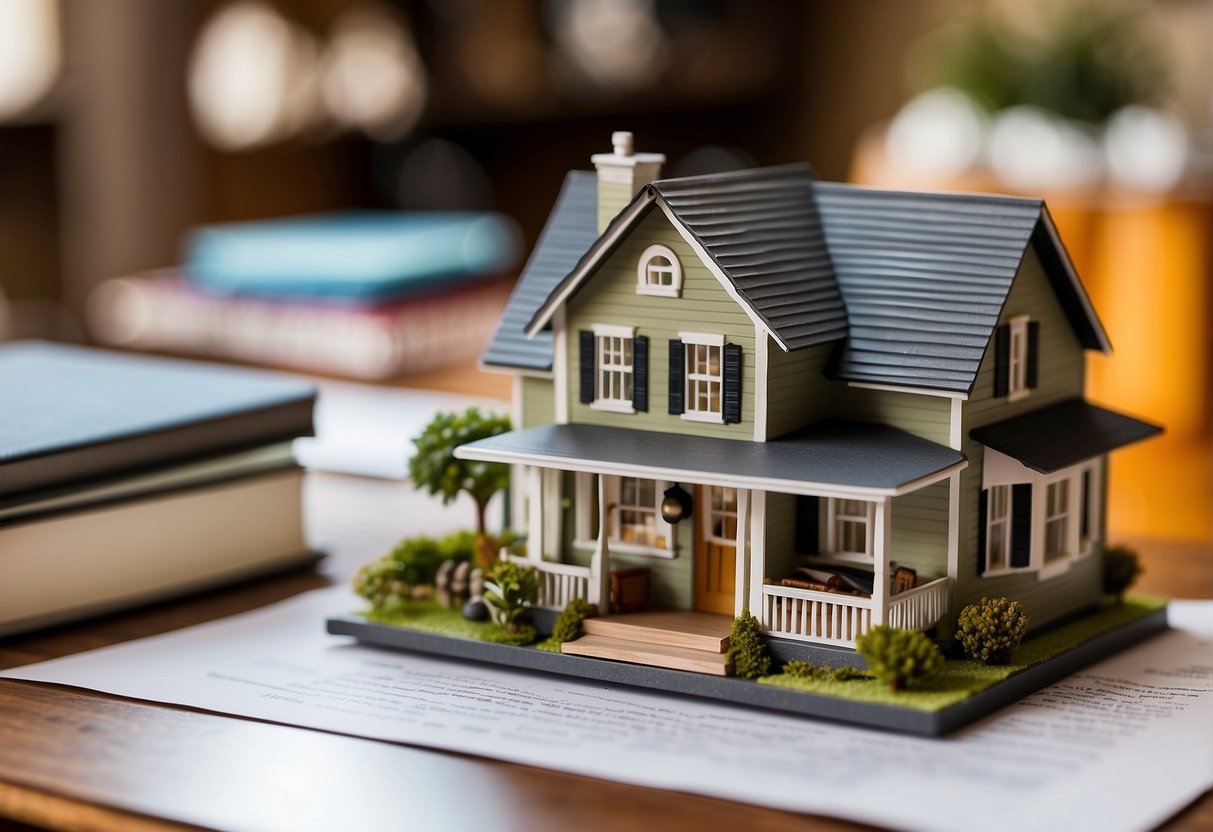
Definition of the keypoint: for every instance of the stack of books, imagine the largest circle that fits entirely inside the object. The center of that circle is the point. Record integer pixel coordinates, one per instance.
(365, 295)
(129, 479)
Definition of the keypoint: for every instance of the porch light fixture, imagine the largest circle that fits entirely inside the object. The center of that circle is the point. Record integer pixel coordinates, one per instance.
(677, 504)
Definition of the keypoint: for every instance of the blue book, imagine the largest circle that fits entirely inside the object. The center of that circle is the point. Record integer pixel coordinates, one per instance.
(359, 256)
(73, 414)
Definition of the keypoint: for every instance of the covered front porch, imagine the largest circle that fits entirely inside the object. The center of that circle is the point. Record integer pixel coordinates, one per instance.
(854, 470)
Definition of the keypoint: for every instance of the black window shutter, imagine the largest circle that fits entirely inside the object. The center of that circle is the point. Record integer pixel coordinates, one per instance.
(1031, 375)
(1021, 525)
(678, 369)
(587, 366)
(1085, 521)
(1002, 361)
(808, 540)
(640, 373)
(983, 508)
(732, 383)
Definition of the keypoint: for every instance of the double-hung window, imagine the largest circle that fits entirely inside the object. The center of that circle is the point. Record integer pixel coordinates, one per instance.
(614, 364)
(704, 376)
(849, 527)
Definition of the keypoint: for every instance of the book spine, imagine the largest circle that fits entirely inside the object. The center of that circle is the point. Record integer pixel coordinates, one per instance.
(162, 314)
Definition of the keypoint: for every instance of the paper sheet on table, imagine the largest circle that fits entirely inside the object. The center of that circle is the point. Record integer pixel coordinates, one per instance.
(1122, 745)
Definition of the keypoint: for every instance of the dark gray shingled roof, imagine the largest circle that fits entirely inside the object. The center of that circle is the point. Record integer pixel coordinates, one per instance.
(831, 454)
(1063, 434)
(571, 229)
(914, 282)
(762, 229)
(925, 275)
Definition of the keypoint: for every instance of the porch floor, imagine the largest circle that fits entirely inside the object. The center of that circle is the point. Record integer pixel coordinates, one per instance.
(676, 640)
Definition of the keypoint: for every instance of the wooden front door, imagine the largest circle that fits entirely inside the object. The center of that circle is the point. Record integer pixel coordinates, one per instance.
(715, 549)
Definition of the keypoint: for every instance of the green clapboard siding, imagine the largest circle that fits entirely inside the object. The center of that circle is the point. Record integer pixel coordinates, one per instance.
(609, 297)
(781, 557)
(919, 414)
(538, 401)
(796, 387)
(919, 536)
(1061, 376)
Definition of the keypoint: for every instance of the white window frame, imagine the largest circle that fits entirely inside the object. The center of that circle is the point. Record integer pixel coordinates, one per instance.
(621, 370)
(691, 380)
(710, 513)
(998, 529)
(1017, 358)
(647, 268)
(834, 519)
(587, 531)
(1000, 470)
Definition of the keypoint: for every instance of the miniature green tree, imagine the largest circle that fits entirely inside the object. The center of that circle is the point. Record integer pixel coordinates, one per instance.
(747, 648)
(990, 630)
(509, 590)
(567, 626)
(435, 469)
(899, 657)
(1121, 566)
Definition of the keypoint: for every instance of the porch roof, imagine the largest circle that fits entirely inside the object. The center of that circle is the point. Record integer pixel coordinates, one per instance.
(832, 458)
(1063, 434)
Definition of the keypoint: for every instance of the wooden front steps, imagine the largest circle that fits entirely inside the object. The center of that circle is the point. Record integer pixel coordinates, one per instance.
(676, 640)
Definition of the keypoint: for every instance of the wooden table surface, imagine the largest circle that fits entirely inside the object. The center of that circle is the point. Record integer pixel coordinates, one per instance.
(76, 760)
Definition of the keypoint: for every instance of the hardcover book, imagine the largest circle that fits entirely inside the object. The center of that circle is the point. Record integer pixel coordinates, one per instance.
(73, 413)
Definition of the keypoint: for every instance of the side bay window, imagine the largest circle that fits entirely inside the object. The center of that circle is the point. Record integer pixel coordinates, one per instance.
(1033, 522)
(705, 378)
(614, 368)
(1016, 362)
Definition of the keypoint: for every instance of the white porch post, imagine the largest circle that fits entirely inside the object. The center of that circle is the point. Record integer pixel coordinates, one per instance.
(880, 571)
(742, 558)
(534, 541)
(758, 552)
(600, 563)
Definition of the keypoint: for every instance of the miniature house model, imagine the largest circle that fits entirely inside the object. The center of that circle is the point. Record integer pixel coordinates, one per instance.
(834, 406)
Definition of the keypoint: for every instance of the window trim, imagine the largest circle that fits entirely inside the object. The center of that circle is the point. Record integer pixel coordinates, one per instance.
(834, 517)
(1017, 359)
(712, 341)
(1004, 536)
(643, 284)
(587, 529)
(601, 333)
(1001, 470)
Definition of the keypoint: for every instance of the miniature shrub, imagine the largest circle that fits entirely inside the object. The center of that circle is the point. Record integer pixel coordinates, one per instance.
(380, 583)
(417, 559)
(899, 657)
(747, 648)
(990, 630)
(807, 670)
(568, 623)
(509, 589)
(1121, 567)
(457, 546)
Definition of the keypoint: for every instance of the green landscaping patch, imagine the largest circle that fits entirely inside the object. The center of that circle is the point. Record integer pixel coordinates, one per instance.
(961, 679)
(428, 616)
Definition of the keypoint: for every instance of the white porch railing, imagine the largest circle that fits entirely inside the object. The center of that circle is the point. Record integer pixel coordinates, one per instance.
(919, 608)
(809, 615)
(559, 583)
(831, 618)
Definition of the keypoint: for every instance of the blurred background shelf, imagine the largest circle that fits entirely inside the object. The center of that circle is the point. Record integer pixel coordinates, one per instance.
(125, 124)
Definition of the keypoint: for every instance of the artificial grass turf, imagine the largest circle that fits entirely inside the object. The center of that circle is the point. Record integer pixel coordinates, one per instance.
(428, 616)
(960, 679)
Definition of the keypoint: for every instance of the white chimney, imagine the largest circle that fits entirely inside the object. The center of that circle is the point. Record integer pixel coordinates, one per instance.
(621, 174)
